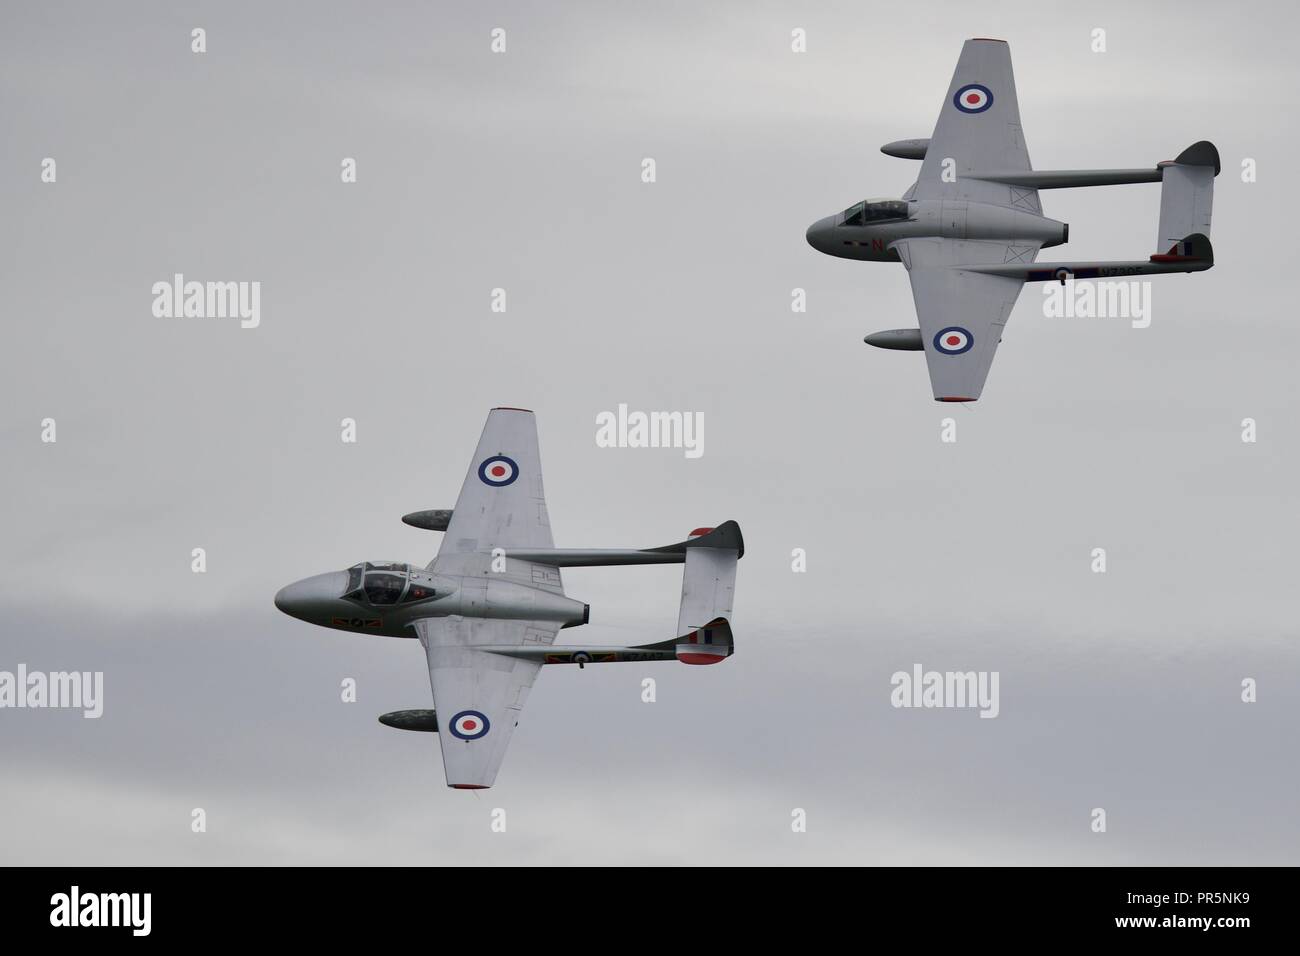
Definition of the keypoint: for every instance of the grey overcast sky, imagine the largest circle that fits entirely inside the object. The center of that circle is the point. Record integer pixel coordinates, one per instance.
(522, 171)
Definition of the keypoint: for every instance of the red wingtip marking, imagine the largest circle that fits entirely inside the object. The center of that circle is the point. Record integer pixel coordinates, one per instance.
(699, 532)
(467, 786)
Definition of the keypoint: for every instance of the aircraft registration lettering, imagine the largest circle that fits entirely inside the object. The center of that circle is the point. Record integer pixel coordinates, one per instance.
(358, 622)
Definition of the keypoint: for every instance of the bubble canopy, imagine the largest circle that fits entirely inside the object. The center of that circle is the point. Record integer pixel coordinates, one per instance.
(875, 210)
(383, 584)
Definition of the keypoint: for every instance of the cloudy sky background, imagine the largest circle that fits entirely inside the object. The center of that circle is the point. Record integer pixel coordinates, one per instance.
(522, 171)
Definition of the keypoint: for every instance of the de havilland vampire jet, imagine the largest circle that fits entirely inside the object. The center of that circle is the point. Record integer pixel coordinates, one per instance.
(488, 607)
(970, 229)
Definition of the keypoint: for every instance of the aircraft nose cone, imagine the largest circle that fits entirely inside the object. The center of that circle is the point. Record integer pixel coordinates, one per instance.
(284, 598)
(301, 598)
(819, 234)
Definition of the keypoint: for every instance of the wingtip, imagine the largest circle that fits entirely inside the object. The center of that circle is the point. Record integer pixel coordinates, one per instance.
(512, 408)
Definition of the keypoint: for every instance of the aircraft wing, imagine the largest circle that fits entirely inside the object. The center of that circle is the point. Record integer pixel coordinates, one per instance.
(979, 130)
(501, 503)
(477, 694)
(961, 313)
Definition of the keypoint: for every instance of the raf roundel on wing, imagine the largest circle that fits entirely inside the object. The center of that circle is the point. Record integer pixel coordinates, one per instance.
(498, 471)
(470, 725)
(953, 340)
(973, 98)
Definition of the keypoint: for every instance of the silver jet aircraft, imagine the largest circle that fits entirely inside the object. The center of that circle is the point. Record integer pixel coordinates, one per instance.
(488, 607)
(970, 229)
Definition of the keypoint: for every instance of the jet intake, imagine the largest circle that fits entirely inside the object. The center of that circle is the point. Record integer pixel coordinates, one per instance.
(900, 340)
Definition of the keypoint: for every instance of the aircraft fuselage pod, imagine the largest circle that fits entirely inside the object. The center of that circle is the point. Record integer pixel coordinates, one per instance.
(386, 598)
(868, 230)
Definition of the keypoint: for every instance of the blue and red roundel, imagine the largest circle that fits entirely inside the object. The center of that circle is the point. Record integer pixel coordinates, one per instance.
(498, 471)
(973, 98)
(470, 725)
(954, 340)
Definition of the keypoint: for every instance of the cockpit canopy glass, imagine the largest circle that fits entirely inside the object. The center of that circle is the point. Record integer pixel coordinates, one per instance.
(382, 583)
(875, 210)
(384, 588)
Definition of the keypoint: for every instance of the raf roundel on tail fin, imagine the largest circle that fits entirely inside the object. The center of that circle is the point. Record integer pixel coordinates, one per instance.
(1196, 246)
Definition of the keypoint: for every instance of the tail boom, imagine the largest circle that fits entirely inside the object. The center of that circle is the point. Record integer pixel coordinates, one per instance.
(1189, 254)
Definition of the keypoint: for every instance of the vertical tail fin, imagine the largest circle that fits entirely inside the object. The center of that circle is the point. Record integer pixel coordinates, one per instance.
(708, 592)
(1187, 194)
